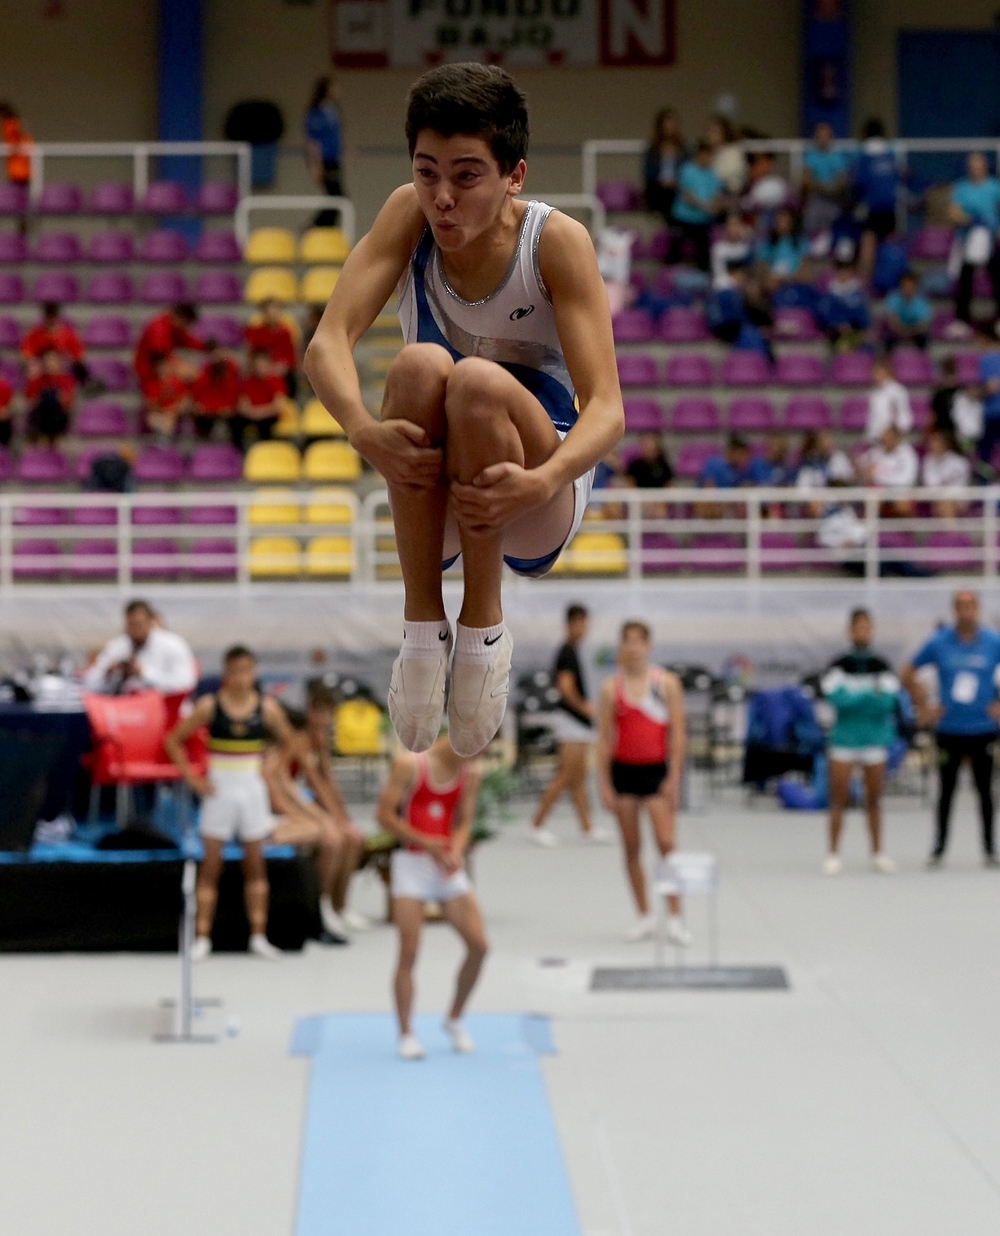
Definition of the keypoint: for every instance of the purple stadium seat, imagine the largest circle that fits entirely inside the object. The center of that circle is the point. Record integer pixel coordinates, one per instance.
(156, 516)
(218, 287)
(659, 245)
(618, 194)
(58, 247)
(101, 419)
(40, 516)
(932, 242)
(212, 515)
(12, 248)
(689, 369)
(807, 412)
(10, 370)
(898, 544)
(111, 247)
(110, 287)
(795, 323)
(163, 245)
(718, 552)
(665, 283)
(952, 551)
(163, 287)
(112, 199)
(13, 199)
(913, 367)
(854, 414)
(161, 464)
(799, 369)
(11, 289)
(693, 456)
(742, 368)
(968, 367)
(164, 197)
(942, 321)
(633, 326)
(213, 557)
(107, 331)
(95, 516)
(695, 415)
(656, 550)
(10, 333)
(851, 369)
(56, 285)
(154, 559)
(226, 331)
(751, 415)
(682, 324)
(48, 568)
(116, 374)
(643, 416)
(42, 465)
(217, 197)
(6, 464)
(59, 199)
(921, 406)
(94, 559)
(217, 247)
(780, 552)
(637, 370)
(215, 462)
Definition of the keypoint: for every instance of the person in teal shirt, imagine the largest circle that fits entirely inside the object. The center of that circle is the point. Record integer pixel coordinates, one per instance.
(908, 314)
(785, 249)
(864, 692)
(975, 203)
(826, 179)
(700, 199)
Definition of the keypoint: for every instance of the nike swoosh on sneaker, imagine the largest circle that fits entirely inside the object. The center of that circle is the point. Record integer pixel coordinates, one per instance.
(490, 642)
(442, 635)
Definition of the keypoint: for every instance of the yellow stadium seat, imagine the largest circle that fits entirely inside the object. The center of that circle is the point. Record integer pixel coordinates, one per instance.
(380, 364)
(329, 506)
(597, 553)
(388, 569)
(388, 321)
(324, 244)
(357, 728)
(275, 506)
(330, 555)
(270, 244)
(270, 283)
(272, 463)
(274, 556)
(290, 421)
(331, 461)
(317, 284)
(318, 423)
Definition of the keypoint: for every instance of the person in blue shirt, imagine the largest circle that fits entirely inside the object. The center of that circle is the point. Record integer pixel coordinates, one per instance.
(908, 314)
(863, 691)
(735, 467)
(324, 145)
(877, 182)
(737, 312)
(967, 659)
(842, 312)
(785, 250)
(700, 199)
(975, 203)
(989, 384)
(826, 181)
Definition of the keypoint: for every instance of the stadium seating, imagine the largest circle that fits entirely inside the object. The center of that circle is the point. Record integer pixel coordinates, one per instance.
(331, 461)
(317, 284)
(271, 246)
(330, 556)
(318, 423)
(324, 244)
(272, 463)
(271, 283)
(274, 557)
(274, 506)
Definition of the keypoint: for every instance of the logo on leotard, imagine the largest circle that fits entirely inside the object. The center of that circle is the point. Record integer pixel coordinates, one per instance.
(517, 314)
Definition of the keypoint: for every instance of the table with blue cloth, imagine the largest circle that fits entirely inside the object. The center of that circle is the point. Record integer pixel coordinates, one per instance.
(40, 750)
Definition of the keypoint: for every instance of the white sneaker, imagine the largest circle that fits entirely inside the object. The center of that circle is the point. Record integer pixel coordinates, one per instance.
(832, 865)
(331, 920)
(883, 864)
(354, 921)
(416, 696)
(262, 947)
(410, 1048)
(543, 837)
(478, 698)
(641, 929)
(677, 933)
(461, 1040)
(599, 836)
(201, 948)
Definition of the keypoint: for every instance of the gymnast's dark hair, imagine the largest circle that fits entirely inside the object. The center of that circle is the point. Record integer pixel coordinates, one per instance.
(237, 652)
(477, 100)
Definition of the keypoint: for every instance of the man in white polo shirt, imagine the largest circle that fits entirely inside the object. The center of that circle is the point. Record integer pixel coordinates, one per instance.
(144, 655)
(888, 403)
(892, 464)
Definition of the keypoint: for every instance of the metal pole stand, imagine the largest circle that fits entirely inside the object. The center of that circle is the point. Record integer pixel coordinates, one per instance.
(187, 1007)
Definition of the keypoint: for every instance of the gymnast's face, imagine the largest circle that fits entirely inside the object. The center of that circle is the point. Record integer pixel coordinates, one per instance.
(460, 186)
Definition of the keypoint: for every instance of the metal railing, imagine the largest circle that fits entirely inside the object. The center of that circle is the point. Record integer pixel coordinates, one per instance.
(576, 201)
(139, 153)
(318, 201)
(743, 534)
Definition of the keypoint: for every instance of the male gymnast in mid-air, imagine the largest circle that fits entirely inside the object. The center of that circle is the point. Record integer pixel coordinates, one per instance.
(500, 405)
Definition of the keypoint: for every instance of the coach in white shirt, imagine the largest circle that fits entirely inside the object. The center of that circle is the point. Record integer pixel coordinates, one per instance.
(144, 656)
(888, 404)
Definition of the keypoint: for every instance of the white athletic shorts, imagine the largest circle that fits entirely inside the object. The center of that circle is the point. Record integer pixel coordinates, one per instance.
(240, 808)
(568, 728)
(413, 873)
(868, 756)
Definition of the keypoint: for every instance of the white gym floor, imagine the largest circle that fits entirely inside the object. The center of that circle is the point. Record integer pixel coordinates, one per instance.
(864, 1100)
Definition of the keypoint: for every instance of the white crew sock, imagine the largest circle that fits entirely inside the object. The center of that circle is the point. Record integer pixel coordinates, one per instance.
(477, 643)
(676, 920)
(424, 641)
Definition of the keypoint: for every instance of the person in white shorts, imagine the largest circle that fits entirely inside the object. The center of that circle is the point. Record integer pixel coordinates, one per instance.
(429, 803)
(234, 798)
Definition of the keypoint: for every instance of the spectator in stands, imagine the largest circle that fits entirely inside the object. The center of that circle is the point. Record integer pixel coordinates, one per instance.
(215, 392)
(112, 472)
(145, 656)
(261, 396)
(664, 156)
(784, 252)
(700, 198)
(163, 336)
(166, 396)
(51, 394)
(820, 466)
(727, 159)
(826, 181)
(324, 145)
(766, 192)
(18, 140)
(842, 311)
(780, 470)
(943, 399)
(6, 418)
(989, 382)
(737, 312)
(892, 463)
(908, 314)
(975, 210)
(277, 333)
(53, 331)
(888, 402)
(877, 182)
(735, 467)
(733, 247)
(651, 468)
(944, 466)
